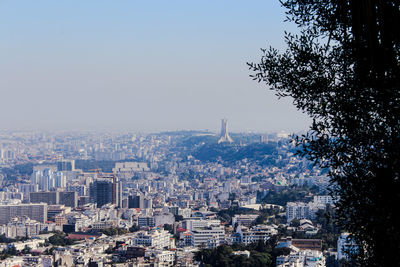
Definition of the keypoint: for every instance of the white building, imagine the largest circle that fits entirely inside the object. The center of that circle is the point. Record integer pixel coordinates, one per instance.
(11, 262)
(209, 236)
(164, 218)
(244, 219)
(245, 180)
(60, 180)
(36, 212)
(164, 257)
(297, 210)
(191, 224)
(155, 238)
(103, 225)
(32, 243)
(24, 227)
(301, 210)
(185, 213)
(324, 200)
(301, 258)
(247, 236)
(44, 260)
(129, 169)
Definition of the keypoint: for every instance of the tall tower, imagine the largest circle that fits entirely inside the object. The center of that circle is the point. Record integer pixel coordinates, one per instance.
(101, 192)
(106, 189)
(224, 137)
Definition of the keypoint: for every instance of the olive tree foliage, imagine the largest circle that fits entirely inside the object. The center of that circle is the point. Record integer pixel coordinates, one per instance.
(343, 70)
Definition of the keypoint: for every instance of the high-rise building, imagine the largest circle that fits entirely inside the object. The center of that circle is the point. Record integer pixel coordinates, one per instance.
(118, 193)
(224, 137)
(106, 190)
(68, 198)
(36, 176)
(36, 212)
(101, 192)
(297, 210)
(136, 202)
(46, 180)
(61, 180)
(148, 203)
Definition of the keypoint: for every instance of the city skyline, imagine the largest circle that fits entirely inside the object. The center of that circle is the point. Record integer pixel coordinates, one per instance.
(139, 66)
(199, 133)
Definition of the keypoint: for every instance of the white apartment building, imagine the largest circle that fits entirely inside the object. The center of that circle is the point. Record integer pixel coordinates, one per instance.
(165, 257)
(45, 261)
(36, 212)
(164, 218)
(209, 236)
(185, 213)
(32, 243)
(128, 169)
(301, 210)
(297, 210)
(324, 200)
(24, 227)
(155, 238)
(11, 262)
(302, 258)
(103, 225)
(191, 224)
(245, 180)
(244, 219)
(248, 236)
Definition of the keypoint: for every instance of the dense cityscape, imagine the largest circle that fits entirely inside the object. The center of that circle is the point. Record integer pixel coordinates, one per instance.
(185, 198)
(200, 133)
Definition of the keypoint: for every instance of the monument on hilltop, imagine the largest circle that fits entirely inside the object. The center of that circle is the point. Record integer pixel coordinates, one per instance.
(224, 137)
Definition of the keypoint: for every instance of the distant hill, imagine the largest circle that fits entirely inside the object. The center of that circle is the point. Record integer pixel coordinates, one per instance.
(184, 133)
(198, 140)
(234, 152)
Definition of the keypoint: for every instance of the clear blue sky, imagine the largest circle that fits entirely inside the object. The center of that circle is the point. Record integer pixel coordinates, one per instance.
(139, 65)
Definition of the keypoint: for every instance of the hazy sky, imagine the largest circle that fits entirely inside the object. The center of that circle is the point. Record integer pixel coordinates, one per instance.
(139, 65)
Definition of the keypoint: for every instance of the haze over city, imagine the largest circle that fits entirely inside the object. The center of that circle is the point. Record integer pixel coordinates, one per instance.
(151, 134)
(139, 66)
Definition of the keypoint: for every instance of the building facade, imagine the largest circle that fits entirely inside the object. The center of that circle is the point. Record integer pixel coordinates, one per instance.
(37, 212)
